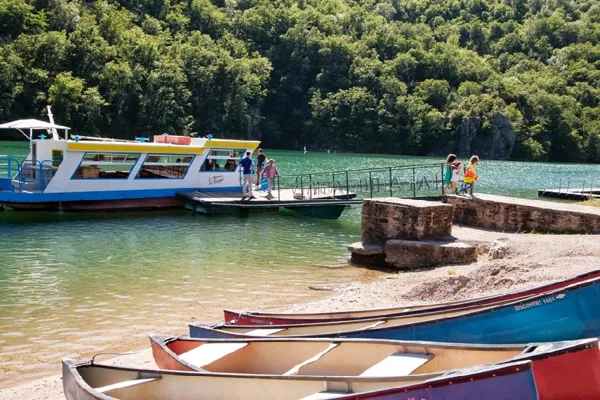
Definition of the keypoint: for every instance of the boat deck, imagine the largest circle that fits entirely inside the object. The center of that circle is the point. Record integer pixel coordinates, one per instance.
(320, 205)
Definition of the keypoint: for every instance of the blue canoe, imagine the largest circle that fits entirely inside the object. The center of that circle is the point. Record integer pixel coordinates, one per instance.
(566, 314)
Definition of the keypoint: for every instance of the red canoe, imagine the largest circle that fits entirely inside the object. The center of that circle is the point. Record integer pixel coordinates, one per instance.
(563, 370)
(252, 318)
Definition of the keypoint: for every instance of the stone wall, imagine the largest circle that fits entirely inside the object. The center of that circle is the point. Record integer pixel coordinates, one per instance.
(522, 215)
(393, 218)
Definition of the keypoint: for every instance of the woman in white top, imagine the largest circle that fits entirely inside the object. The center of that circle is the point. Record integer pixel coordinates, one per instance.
(456, 168)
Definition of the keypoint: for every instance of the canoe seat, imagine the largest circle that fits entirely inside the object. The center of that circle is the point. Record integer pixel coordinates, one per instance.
(397, 364)
(324, 395)
(125, 384)
(264, 331)
(210, 352)
(311, 360)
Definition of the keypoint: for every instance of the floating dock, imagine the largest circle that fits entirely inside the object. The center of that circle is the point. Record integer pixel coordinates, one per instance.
(317, 205)
(571, 194)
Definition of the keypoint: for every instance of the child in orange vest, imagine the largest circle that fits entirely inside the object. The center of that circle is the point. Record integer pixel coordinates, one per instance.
(471, 174)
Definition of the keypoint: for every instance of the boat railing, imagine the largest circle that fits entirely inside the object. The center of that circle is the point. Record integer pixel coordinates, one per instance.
(418, 180)
(9, 169)
(26, 176)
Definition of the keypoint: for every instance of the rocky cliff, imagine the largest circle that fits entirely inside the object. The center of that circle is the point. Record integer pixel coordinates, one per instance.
(495, 143)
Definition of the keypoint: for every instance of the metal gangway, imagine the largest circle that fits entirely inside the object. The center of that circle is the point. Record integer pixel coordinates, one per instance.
(415, 180)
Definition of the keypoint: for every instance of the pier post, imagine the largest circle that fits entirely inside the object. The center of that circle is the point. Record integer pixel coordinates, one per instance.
(391, 185)
(414, 183)
(347, 187)
(442, 180)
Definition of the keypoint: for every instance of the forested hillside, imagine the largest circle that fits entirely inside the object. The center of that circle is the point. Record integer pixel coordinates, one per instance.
(394, 76)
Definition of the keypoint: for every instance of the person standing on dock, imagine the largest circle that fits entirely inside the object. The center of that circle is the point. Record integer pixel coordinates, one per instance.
(448, 172)
(470, 175)
(247, 166)
(260, 164)
(456, 170)
(270, 172)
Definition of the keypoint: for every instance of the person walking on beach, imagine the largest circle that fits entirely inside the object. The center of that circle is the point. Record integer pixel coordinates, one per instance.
(247, 166)
(270, 172)
(260, 164)
(456, 169)
(448, 172)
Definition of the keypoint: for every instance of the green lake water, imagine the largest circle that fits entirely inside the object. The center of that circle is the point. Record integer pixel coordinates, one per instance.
(72, 284)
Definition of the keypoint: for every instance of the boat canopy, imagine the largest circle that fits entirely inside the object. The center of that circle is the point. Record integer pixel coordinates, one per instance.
(33, 124)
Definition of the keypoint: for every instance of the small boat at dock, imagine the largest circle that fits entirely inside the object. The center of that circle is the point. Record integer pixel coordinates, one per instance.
(561, 369)
(233, 317)
(565, 314)
(87, 381)
(76, 173)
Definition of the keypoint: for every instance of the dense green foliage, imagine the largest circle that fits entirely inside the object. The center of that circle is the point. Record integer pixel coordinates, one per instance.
(378, 76)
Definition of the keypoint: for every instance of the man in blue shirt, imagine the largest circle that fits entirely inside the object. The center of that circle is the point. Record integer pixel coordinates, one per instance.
(247, 165)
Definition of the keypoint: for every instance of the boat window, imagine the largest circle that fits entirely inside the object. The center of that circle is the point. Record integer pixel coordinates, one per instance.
(225, 160)
(106, 165)
(57, 157)
(165, 166)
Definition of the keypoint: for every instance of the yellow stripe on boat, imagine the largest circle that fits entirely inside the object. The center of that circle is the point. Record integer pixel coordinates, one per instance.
(232, 144)
(134, 148)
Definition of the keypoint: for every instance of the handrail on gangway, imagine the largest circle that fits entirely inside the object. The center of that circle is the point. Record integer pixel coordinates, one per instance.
(299, 179)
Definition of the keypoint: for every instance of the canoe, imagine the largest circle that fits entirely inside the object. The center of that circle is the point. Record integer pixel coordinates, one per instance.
(233, 317)
(565, 314)
(562, 370)
(87, 381)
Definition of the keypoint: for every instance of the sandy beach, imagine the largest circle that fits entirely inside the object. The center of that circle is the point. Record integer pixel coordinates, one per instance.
(506, 262)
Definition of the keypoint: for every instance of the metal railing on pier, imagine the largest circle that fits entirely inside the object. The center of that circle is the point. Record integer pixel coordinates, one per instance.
(419, 180)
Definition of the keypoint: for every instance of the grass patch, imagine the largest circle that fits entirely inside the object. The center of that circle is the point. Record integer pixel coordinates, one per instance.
(590, 202)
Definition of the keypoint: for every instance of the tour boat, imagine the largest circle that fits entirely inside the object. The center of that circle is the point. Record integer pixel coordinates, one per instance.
(562, 370)
(233, 317)
(565, 314)
(87, 380)
(89, 173)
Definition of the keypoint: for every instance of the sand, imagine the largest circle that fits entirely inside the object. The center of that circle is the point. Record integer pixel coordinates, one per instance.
(507, 262)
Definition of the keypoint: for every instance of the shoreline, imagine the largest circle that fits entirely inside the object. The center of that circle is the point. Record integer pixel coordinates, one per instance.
(527, 260)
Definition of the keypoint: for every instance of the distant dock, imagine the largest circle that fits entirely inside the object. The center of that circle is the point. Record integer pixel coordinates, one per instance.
(315, 205)
(571, 194)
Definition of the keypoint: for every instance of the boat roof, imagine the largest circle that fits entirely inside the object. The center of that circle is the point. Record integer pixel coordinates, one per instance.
(31, 124)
